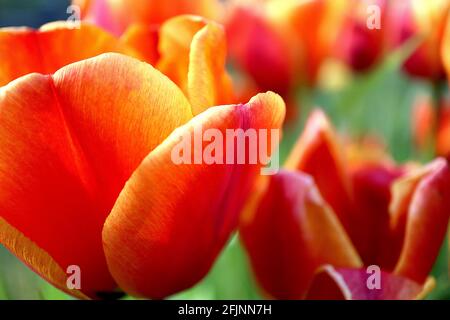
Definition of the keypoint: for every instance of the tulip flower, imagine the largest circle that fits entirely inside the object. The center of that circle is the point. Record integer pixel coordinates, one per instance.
(312, 28)
(117, 15)
(426, 20)
(259, 49)
(321, 227)
(280, 45)
(53, 46)
(183, 48)
(361, 43)
(88, 181)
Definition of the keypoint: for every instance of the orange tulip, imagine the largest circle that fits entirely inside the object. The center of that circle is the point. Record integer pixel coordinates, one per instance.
(312, 28)
(53, 46)
(117, 15)
(313, 230)
(426, 20)
(87, 177)
(189, 49)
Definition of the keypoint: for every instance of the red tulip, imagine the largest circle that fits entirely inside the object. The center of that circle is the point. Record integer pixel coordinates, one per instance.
(358, 45)
(280, 45)
(425, 20)
(316, 230)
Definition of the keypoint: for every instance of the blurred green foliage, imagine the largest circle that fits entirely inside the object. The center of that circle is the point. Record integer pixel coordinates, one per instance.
(378, 103)
(32, 13)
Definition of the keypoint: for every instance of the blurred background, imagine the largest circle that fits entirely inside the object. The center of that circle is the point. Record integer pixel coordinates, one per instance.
(32, 13)
(377, 102)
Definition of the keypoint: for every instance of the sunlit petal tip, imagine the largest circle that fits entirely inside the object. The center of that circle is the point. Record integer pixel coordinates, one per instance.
(317, 128)
(193, 55)
(446, 48)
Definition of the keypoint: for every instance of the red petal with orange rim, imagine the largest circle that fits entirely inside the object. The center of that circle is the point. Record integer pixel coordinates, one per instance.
(68, 144)
(426, 221)
(292, 232)
(171, 220)
(356, 284)
(53, 46)
(318, 154)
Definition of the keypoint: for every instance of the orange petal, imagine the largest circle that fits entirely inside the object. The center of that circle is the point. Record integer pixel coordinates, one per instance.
(193, 54)
(144, 39)
(117, 15)
(68, 144)
(445, 51)
(291, 233)
(352, 284)
(53, 46)
(318, 154)
(312, 27)
(426, 221)
(171, 221)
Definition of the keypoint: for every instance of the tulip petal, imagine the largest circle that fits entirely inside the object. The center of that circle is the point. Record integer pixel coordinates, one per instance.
(258, 49)
(144, 39)
(426, 222)
(291, 233)
(445, 51)
(370, 226)
(353, 284)
(193, 54)
(117, 15)
(313, 28)
(68, 144)
(171, 220)
(53, 46)
(318, 154)
(35, 258)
